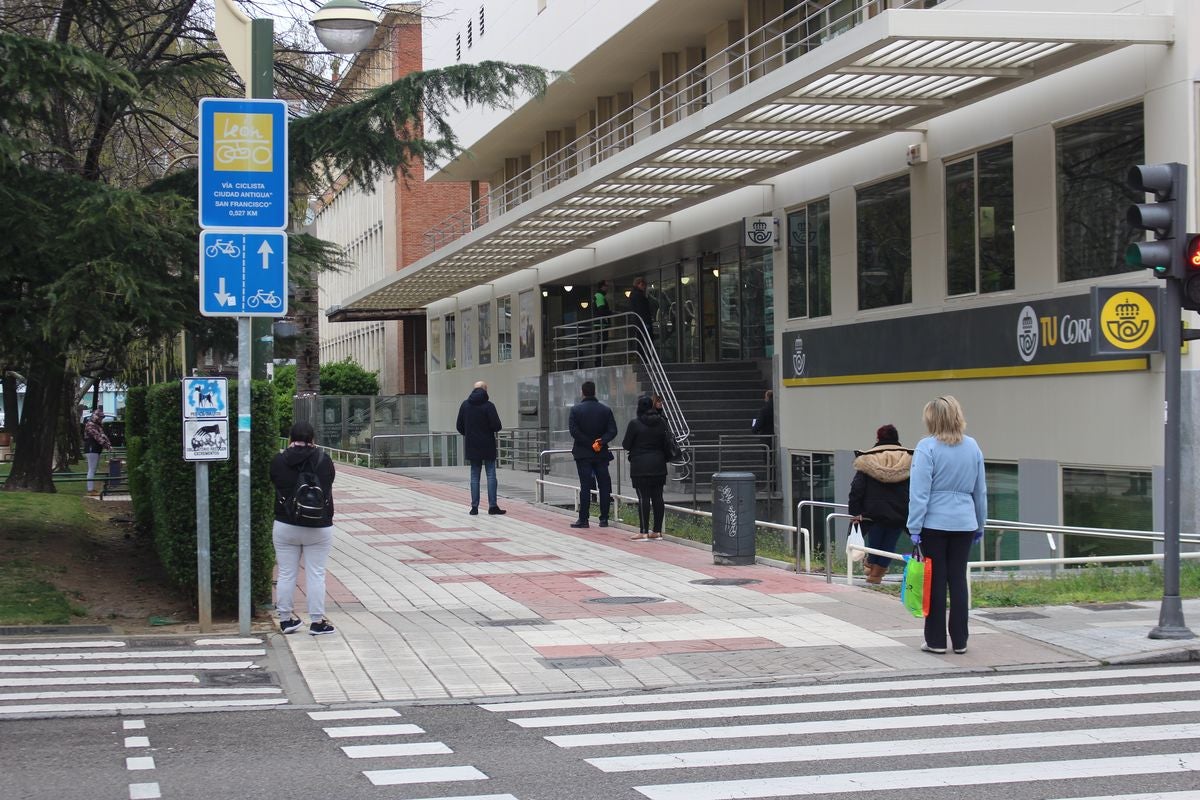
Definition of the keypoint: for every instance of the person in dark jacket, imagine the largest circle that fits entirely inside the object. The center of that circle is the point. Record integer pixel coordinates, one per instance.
(478, 423)
(640, 304)
(764, 423)
(649, 446)
(94, 444)
(293, 541)
(879, 497)
(592, 427)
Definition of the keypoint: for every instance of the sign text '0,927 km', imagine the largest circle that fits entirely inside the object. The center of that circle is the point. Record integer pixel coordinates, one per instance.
(243, 273)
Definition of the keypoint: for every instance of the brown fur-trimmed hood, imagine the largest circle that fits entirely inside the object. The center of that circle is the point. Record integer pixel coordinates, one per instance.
(886, 463)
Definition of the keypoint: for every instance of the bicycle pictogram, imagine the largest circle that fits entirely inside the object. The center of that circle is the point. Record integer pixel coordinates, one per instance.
(230, 151)
(268, 299)
(223, 246)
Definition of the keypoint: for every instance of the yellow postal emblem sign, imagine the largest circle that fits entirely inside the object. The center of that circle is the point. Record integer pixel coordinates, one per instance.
(1128, 319)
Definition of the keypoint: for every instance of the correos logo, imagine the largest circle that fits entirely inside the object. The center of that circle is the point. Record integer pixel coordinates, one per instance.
(1127, 320)
(1027, 334)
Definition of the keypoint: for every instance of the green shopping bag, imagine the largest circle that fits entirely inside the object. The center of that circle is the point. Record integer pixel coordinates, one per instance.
(918, 575)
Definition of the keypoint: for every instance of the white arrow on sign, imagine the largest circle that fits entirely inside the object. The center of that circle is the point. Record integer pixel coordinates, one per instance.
(223, 297)
(265, 250)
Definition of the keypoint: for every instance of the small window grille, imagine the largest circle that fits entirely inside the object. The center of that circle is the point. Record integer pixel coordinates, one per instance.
(481, 20)
(458, 47)
(470, 37)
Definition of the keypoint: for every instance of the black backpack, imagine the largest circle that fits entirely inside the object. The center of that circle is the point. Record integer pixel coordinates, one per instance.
(306, 504)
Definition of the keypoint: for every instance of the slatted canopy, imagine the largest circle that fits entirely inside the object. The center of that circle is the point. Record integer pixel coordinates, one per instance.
(889, 74)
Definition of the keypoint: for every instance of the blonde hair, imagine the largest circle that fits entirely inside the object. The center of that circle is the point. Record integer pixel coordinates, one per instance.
(944, 419)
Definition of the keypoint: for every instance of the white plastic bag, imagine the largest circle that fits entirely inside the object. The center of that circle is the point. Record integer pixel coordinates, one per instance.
(855, 539)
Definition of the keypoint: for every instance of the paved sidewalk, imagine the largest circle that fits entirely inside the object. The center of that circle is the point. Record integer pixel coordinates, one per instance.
(431, 603)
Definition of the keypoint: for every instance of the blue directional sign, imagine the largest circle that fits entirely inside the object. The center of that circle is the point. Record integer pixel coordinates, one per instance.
(243, 273)
(243, 163)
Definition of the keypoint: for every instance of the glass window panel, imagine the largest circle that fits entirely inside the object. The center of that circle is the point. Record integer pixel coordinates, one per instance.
(1106, 498)
(820, 264)
(812, 479)
(1093, 157)
(729, 284)
(997, 253)
(485, 333)
(1002, 504)
(504, 329)
(450, 342)
(884, 244)
(798, 264)
(960, 227)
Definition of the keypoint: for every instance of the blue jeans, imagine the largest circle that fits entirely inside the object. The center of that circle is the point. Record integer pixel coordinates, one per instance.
(476, 466)
(593, 472)
(882, 537)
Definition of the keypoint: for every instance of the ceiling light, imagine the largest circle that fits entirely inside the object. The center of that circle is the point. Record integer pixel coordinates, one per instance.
(583, 304)
(568, 287)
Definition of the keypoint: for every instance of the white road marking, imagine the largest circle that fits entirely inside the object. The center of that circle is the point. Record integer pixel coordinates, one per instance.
(1148, 796)
(1081, 713)
(139, 762)
(41, 709)
(96, 680)
(911, 779)
(919, 684)
(899, 747)
(856, 704)
(144, 791)
(354, 713)
(137, 741)
(134, 724)
(349, 731)
(395, 777)
(219, 642)
(64, 669)
(176, 692)
(134, 654)
(388, 750)
(475, 797)
(55, 645)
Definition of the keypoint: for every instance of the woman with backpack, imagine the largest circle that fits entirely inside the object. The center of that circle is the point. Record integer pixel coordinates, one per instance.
(303, 478)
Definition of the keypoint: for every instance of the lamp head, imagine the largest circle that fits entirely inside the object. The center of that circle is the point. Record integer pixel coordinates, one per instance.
(344, 26)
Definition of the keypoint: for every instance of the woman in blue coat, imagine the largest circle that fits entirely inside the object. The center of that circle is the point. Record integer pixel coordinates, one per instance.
(947, 507)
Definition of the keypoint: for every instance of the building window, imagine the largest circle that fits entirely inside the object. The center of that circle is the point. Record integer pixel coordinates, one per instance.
(485, 333)
(504, 329)
(808, 261)
(435, 345)
(450, 342)
(884, 244)
(812, 479)
(979, 222)
(1002, 504)
(1106, 498)
(1092, 158)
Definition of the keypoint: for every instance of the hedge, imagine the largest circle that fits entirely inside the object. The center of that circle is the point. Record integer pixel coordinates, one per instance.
(138, 466)
(174, 496)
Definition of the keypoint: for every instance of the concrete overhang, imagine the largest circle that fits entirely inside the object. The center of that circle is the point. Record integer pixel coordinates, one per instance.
(891, 73)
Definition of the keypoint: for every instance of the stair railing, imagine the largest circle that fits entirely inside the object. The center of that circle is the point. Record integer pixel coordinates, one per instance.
(619, 338)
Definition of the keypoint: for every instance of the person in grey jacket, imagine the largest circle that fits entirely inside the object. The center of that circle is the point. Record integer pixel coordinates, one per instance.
(947, 508)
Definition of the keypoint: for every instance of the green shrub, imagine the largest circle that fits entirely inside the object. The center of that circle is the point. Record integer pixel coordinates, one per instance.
(174, 496)
(136, 422)
(141, 487)
(285, 390)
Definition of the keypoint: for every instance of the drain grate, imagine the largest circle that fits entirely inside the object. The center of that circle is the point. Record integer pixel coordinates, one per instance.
(238, 679)
(726, 581)
(1013, 615)
(624, 601)
(54, 630)
(157, 644)
(511, 623)
(1108, 606)
(579, 662)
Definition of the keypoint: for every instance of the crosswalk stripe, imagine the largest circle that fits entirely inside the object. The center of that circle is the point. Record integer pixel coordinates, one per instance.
(354, 713)
(56, 645)
(173, 692)
(110, 707)
(997, 716)
(395, 777)
(388, 750)
(220, 642)
(475, 797)
(921, 778)
(891, 748)
(857, 704)
(96, 680)
(134, 654)
(891, 687)
(349, 731)
(1187, 795)
(67, 668)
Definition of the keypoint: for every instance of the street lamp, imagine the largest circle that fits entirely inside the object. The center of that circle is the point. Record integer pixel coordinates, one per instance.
(344, 26)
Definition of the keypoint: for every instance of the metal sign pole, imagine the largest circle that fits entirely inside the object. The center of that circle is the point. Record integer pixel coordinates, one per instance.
(243, 439)
(203, 549)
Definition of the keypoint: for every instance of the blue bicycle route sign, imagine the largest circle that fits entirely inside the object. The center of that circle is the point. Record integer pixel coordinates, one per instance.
(243, 273)
(243, 163)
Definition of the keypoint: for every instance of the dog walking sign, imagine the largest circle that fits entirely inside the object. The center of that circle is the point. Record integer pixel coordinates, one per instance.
(205, 419)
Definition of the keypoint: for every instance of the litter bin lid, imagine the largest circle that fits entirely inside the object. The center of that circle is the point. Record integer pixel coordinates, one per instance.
(733, 476)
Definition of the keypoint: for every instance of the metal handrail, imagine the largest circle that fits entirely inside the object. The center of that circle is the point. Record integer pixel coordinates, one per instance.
(430, 436)
(697, 84)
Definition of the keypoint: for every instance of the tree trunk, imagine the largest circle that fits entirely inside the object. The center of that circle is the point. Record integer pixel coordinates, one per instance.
(33, 459)
(308, 357)
(68, 442)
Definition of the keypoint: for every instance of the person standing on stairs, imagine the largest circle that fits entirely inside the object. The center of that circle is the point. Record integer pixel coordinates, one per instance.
(879, 497)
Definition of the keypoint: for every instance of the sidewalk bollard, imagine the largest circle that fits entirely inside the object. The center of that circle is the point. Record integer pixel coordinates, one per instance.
(733, 518)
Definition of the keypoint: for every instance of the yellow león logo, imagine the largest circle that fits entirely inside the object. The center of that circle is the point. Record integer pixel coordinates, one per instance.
(1127, 320)
(242, 142)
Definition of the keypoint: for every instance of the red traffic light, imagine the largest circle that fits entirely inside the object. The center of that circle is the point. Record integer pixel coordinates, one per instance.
(1193, 253)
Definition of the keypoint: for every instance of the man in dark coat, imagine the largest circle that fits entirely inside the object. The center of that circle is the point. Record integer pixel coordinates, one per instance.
(592, 427)
(478, 423)
(639, 304)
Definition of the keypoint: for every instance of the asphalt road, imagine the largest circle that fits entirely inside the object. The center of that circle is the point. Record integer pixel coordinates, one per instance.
(1054, 734)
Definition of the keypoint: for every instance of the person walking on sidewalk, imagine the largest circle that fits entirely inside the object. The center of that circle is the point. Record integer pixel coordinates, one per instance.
(947, 508)
(649, 445)
(879, 497)
(592, 427)
(478, 422)
(94, 444)
(309, 535)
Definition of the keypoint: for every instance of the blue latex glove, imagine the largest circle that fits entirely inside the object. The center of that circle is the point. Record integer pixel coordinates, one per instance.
(977, 538)
(916, 538)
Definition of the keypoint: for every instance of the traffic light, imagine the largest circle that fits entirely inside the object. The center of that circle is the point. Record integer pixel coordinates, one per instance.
(1191, 282)
(1166, 218)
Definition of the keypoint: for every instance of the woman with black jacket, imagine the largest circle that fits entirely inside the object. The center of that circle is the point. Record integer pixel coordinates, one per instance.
(879, 496)
(649, 446)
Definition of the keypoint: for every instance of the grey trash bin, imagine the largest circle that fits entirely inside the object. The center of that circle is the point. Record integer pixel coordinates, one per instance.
(733, 511)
